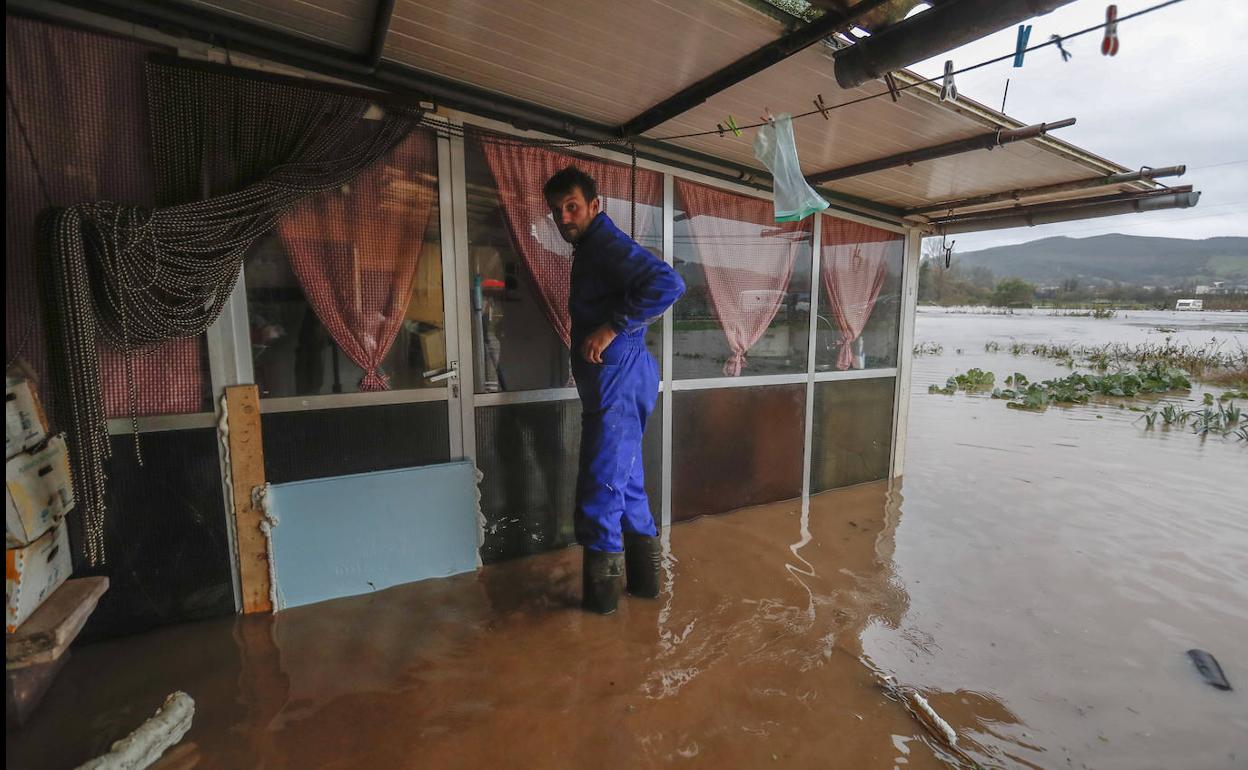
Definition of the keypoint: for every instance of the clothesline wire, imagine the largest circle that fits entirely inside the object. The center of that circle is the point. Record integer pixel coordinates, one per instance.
(971, 68)
(499, 138)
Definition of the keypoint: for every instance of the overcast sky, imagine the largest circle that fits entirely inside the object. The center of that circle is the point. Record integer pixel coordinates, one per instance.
(1176, 93)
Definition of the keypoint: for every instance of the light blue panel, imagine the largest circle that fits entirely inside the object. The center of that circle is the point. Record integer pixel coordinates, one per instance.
(351, 535)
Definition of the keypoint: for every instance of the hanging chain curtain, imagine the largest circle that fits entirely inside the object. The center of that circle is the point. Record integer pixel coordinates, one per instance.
(747, 258)
(854, 267)
(355, 251)
(137, 276)
(76, 131)
(520, 171)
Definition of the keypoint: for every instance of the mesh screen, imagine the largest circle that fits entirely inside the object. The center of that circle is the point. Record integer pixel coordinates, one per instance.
(166, 536)
(76, 131)
(736, 447)
(527, 454)
(853, 428)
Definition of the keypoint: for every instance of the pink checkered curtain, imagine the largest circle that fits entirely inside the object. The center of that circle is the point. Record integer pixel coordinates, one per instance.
(355, 251)
(76, 131)
(855, 264)
(748, 259)
(520, 171)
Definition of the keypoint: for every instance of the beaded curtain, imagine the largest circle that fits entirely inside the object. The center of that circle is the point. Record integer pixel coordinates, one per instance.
(136, 276)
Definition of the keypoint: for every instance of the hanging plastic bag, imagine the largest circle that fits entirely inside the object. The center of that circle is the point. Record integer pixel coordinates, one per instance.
(776, 149)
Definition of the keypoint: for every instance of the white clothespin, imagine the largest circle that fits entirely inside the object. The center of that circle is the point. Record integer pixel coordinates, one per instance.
(948, 89)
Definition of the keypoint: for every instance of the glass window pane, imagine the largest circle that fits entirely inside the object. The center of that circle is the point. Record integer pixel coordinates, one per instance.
(858, 328)
(528, 454)
(853, 428)
(365, 232)
(323, 443)
(747, 308)
(736, 447)
(520, 266)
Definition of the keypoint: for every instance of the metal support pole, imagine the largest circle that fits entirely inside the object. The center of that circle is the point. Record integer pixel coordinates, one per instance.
(831, 22)
(669, 336)
(941, 28)
(1069, 211)
(1143, 175)
(812, 333)
(987, 141)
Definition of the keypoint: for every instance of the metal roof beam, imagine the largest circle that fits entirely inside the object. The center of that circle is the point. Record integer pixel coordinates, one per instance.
(986, 141)
(752, 63)
(1145, 174)
(383, 12)
(1069, 211)
(924, 35)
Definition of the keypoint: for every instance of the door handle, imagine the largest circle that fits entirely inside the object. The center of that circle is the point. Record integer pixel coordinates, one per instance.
(450, 373)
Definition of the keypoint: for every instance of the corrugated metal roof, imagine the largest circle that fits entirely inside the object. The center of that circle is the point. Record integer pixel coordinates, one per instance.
(607, 61)
(344, 23)
(597, 59)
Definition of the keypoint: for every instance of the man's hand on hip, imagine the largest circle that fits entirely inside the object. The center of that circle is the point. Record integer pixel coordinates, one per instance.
(594, 344)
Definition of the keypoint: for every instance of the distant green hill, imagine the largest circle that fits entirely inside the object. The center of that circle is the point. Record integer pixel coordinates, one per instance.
(1121, 258)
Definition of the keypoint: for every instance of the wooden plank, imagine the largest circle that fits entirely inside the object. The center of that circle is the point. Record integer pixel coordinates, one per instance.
(25, 687)
(47, 634)
(247, 473)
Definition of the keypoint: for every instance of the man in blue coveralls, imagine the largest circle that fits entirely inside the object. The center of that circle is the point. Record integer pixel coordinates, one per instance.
(618, 290)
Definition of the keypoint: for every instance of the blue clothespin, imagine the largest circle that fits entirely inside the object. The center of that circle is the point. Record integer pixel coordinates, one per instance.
(1020, 48)
(948, 89)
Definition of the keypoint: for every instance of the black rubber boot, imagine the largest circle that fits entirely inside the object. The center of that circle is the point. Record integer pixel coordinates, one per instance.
(601, 573)
(642, 555)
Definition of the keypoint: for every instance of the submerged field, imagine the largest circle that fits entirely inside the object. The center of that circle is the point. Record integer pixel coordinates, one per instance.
(1062, 560)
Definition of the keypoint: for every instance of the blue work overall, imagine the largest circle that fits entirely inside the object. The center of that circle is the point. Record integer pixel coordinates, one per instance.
(616, 282)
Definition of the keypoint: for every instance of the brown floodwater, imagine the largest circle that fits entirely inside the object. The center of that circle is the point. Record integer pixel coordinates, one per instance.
(1066, 561)
(753, 657)
(1037, 577)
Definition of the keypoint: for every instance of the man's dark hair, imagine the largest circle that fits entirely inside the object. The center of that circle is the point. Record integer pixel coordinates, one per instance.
(567, 179)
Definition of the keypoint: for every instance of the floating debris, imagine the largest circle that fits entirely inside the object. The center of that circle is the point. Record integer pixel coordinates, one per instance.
(1208, 667)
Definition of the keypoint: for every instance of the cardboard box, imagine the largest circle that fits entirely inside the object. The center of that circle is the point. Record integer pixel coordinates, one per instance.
(33, 573)
(433, 349)
(24, 423)
(38, 492)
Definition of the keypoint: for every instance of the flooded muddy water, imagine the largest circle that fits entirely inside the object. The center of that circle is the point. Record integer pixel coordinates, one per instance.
(1036, 578)
(753, 657)
(1065, 561)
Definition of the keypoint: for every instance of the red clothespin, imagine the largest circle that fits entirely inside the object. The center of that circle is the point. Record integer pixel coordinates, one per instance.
(767, 117)
(821, 106)
(893, 91)
(1109, 44)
